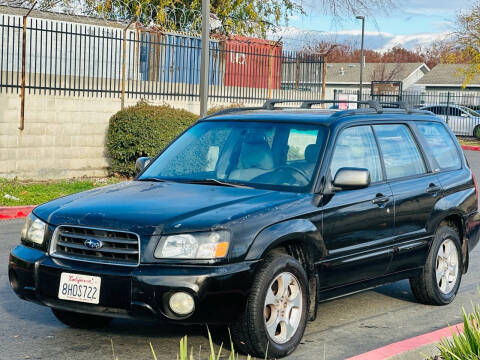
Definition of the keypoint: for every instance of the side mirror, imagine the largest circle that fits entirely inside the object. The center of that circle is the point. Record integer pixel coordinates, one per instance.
(465, 115)
(348, 178)
(141, 163)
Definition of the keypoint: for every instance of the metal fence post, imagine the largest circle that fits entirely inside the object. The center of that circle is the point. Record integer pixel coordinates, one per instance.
(324, 80)
(205, 55)
(22, 89)
(124, 56)
(448, 105)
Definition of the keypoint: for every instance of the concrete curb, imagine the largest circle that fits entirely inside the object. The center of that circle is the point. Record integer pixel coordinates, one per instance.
(15, 212)
(471, 147)
(407, 348)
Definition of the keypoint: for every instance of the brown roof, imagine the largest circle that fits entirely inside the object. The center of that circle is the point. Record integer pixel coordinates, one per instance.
(446, 74)
(350, 72)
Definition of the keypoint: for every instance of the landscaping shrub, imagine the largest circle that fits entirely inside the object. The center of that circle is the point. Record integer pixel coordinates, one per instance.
(142, 130)
(463, 345)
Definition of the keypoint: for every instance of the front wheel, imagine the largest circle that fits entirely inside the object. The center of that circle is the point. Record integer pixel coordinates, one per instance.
(81, 321)
(440, 279)
(275, 316)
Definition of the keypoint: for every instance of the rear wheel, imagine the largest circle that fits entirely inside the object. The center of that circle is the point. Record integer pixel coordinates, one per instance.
(476, 132)
(81, 321)
(441, 276)
(275, 316)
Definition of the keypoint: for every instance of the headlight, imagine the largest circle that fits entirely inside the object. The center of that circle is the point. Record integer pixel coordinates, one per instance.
(33, 230)
(202, 245)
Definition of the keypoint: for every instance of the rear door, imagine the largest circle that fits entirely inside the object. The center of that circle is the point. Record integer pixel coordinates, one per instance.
(415, 191)
(357, 224)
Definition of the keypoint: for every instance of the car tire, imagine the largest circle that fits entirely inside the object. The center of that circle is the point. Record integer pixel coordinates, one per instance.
(274, 330)
(476, 132)
(440, 278)
(81, 321)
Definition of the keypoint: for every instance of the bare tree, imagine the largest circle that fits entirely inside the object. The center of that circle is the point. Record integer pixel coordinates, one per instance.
(341, 9)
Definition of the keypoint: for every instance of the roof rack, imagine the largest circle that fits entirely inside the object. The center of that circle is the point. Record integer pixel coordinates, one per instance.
(231, 110)
(400, 105)
(379, 107)
(307, 104)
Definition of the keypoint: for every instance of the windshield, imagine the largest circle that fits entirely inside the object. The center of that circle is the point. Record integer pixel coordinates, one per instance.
(256, 154)
(470, 111)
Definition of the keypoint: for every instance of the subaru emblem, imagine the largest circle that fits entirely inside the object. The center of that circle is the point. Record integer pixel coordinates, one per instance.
(93, 244)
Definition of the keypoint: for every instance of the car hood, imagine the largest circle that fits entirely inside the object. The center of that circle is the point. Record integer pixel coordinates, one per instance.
(151, 208)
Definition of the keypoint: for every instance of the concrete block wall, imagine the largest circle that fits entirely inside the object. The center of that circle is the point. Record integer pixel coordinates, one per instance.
(64, 137)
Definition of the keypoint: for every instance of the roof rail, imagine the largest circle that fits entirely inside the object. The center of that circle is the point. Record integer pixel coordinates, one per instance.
(307, 104)
(400, 104)
(231, 110)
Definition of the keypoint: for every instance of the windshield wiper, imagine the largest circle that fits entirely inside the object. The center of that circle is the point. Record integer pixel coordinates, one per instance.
(214, 182)
(151, 179)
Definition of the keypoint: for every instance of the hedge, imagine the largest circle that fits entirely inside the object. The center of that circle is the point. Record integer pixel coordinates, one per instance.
(142, 130)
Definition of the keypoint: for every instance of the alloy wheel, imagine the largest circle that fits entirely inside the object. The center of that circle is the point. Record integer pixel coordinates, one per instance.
(283, 307)
(447, 266)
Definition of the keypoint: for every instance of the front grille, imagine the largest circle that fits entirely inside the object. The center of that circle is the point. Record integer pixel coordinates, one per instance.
(118, 247)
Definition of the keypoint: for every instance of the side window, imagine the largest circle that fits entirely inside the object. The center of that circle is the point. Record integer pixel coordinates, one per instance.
(356, 147)
(298, 142)
(441, 145)
(400, 152)
(453, 111)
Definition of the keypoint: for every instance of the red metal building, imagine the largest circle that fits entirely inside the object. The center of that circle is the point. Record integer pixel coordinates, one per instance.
(251, 62)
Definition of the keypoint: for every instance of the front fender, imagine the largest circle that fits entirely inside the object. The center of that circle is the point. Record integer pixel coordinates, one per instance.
(296, 230)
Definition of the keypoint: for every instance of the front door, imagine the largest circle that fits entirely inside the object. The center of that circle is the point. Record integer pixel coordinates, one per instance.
(357, 224)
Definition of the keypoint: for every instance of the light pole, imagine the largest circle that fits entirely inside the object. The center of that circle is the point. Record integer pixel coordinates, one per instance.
(362, 60)
(204, 65)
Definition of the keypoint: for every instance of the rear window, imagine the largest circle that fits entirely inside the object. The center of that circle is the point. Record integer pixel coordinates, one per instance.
(441, 145)
(400, 152)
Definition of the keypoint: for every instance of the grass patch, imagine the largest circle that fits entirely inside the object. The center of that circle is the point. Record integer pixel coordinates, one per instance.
(34, 193)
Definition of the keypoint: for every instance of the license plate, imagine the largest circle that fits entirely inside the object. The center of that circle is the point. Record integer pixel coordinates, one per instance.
(82, 288)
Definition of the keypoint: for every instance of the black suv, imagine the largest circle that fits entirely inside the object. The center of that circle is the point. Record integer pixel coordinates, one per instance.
(253, 216)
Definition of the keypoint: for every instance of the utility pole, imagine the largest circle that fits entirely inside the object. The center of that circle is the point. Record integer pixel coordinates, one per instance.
(205, 55)
(362, 59)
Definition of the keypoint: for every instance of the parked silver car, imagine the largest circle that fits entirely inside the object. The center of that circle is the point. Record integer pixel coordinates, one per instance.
(461, 119)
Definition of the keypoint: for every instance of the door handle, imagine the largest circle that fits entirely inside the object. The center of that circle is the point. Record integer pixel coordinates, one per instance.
(432, 188)
(380, 199)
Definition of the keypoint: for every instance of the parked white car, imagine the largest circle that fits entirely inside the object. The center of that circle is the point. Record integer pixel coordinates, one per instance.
(461, 119)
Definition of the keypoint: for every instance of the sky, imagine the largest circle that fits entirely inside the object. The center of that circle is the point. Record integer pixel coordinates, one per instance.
(409, 23)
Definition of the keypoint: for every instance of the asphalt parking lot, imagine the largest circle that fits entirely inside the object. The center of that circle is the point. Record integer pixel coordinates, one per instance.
(344, 327)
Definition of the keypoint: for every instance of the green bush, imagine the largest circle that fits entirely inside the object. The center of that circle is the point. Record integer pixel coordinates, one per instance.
(142, 130)
(463, 345)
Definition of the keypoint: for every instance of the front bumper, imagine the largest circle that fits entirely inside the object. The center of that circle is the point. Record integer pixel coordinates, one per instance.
(219, 291)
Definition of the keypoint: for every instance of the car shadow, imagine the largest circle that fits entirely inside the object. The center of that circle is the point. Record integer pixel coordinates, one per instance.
(399, 290)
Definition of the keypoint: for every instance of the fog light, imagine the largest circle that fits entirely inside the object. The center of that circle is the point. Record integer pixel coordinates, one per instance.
(181, 303)
(13, 280)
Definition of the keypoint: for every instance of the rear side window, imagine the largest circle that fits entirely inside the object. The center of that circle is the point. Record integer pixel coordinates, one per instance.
(441, 145)
(356, 147)
(400, 152)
